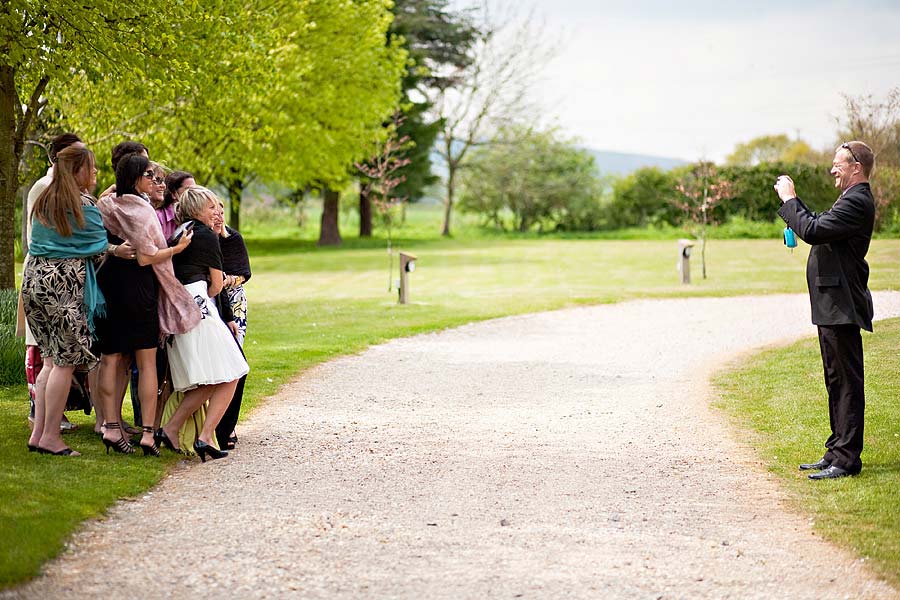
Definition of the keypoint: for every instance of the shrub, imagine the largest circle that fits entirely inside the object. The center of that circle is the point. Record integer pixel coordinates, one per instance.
(12, 348)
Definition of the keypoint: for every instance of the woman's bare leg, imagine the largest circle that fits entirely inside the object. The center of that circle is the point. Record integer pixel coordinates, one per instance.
(193, 400)
(108, 381)
(56, 392)
(218, 404)
(94, 384)
(40, 394)
(147, 388)
(123, 374)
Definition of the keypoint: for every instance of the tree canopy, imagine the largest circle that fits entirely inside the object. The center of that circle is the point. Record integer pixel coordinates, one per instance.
(770, 149)
(293, 92)
(531, 178)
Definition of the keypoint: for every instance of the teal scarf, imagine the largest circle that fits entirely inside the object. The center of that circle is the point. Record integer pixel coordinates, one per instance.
(83, 243)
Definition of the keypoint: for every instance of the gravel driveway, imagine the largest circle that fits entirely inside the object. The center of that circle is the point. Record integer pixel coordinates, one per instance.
(565, 454)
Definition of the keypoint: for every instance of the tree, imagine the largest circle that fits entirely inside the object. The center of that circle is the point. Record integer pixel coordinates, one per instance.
(43, 42)
(381, 178)
(491, 92)
(646, 197)
(877, 123)
(290, 93)
(213, 124)
(770, 149)
(536, 177)
(438, 41)
(701, 189)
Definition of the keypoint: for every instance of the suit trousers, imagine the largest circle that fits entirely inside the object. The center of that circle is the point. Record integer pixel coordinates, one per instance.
(842, 359)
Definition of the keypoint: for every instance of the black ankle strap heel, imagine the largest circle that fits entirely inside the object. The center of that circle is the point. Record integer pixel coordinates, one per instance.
(120, 445)
(152, 449)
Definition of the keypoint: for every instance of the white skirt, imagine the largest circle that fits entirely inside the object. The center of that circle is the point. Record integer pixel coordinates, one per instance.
(207, 354)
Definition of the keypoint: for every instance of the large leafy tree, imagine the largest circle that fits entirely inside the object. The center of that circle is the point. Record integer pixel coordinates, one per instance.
(290, 93)
(342, 84)
(43, 43)
(211, 115)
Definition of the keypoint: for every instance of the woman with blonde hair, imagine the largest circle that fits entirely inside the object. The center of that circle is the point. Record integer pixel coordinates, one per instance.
(59, 288)
(205, 362)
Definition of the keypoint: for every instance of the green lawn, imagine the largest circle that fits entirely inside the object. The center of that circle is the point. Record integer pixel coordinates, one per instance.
(778, 398)
(309, 304)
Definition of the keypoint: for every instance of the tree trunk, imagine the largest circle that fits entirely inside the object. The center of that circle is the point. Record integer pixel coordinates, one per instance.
(10, 152)
(448, 201)
(365, 213)
(329, 231)
(235, 195)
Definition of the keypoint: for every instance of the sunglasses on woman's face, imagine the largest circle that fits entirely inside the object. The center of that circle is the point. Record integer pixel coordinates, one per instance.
(151, 176)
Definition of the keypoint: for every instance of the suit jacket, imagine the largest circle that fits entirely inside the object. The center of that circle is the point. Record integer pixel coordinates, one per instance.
(837, 273)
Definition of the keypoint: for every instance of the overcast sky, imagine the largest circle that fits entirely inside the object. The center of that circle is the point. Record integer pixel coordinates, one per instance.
(692, 78)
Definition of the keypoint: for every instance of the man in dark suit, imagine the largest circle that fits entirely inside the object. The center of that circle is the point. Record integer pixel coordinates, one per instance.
(838, 275)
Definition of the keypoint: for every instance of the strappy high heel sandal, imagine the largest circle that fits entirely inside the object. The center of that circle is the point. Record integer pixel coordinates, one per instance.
(152, 449)
(120, 445)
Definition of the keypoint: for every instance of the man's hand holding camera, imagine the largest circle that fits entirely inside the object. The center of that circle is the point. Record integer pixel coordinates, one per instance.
(784, 185)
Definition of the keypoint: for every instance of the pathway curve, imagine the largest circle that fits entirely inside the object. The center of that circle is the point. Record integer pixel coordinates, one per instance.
(565, 454)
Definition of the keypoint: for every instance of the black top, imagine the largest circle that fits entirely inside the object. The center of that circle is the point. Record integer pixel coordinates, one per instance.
(235, 260)
(131, 321)
(836, 271)
(203, 253)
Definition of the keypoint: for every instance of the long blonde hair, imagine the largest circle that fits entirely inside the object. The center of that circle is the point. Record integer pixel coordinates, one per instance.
(62, 198)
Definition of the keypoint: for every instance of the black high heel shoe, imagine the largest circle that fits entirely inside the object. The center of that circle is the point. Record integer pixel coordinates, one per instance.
(162, 439)
(153, 449)
(63, 452)
(202, 449)
(120, 445)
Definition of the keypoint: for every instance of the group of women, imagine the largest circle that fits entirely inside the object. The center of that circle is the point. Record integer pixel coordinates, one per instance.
(150, 276)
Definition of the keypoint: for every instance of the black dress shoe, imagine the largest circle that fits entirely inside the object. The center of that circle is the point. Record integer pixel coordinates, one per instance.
(818, 466)
(831, 472)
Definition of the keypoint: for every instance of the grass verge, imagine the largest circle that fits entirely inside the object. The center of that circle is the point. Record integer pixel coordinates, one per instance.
(778, 398)
(309, 304)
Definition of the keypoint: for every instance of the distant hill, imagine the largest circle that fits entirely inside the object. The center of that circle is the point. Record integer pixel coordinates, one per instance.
(620, 163)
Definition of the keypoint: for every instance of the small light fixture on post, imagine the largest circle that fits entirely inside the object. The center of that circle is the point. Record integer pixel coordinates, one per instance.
(407, 266)
(684, 259)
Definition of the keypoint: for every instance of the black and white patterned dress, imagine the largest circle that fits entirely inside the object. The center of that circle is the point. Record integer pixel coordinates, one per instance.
(53, 299)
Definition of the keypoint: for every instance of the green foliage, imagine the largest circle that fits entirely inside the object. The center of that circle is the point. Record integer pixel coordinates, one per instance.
(536, 178)
(646, 197)
(886, 188)
(754, 198)
(287, 93)
(46, 44)
(12, 348)
(771, 149)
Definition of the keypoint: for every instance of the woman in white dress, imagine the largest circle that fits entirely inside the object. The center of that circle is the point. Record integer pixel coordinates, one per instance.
(205, 362)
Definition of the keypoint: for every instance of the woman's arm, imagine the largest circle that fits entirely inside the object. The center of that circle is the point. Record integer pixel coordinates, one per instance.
(216, 282)
(162, 255)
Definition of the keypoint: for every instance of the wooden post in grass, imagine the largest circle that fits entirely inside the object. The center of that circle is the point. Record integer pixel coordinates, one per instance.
(407, 266)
